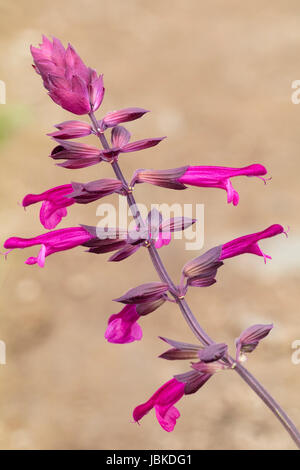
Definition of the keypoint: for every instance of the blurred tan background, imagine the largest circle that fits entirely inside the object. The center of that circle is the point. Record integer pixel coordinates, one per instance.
(217, 77)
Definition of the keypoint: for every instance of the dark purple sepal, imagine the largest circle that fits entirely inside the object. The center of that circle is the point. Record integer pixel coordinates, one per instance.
(250, 338)
(203, 280)
(143, 293)
(98, 247)
(114, 118)
(148, 307)
(212, 353)
(164, 178)
(83, 193)
(180, 344)
(193, 381)
(204, 264)
(124, 253)
(106, 233)
(176, 224)
(180, 350)
(141, 144)
(179, 354)
(71, 130)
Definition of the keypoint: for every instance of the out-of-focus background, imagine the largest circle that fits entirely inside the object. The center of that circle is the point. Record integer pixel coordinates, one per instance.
(217, 77)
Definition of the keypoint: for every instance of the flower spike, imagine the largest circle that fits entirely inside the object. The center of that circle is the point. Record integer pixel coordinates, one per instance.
(79, 89)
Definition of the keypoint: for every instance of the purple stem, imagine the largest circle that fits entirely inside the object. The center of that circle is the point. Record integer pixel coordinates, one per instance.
(188, 314)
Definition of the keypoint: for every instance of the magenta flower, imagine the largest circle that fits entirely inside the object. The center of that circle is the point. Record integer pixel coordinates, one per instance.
(183, 384)
(163, 239)
(72, 130)
(54, 204)
(219, 177)
(56, 200)
(120, 143)
(51, 242)
(77, 155)
(123, 326)
(201, 271)
(249, 243)
(69, 82)
(163, 402)
(203, 176)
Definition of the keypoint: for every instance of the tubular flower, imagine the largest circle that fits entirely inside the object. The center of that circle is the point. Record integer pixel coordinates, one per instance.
(70, 83)
(123, 327)
(54, 204)
(201, 271)
(219, 177)
(187, 383)
(202, 176)
(51, 242)
(56, 200)
(163, 402)
(249, 243)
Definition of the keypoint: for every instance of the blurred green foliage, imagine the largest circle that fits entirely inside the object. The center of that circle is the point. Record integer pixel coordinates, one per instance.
(12, 117)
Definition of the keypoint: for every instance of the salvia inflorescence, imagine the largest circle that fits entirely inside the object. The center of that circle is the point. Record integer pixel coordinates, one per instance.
(80, 90)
